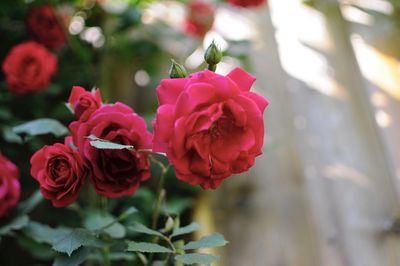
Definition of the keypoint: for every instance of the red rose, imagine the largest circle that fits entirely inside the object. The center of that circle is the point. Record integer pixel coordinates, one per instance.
(210, 126)
(60, 171)
(9, 186)
(200, 18)
(43, 25)
(84, 103)
(28, 68)
(114, 172)
(247, 3)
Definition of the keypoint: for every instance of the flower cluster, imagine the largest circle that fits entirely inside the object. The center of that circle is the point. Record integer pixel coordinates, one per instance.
(61, 169)
(29, 66)
(9, 186)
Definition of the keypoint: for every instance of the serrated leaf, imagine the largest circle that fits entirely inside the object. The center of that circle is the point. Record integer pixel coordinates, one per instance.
(197, 258)
(186, 229)
(16, 223)
(42, 233)
(140, 228)
(77, 258)
(69, 241)
(97, 220)
(41, 127)
(105, 144)
(214, 240)
(147, 247)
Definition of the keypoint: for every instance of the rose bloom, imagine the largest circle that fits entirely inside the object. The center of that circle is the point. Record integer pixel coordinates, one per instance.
(84, 103)
(43, 25)
(200, 18)
(9, 186)
(114, 172)
(210, 126)
(28, 68)
(60, 171)
(247, 3)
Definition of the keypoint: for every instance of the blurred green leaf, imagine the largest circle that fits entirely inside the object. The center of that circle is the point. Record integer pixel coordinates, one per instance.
(15, 223)
(197, 258)
(105, 144)
(147, 247)
(140, 228)
(42, 233)
(97, 220)
(77, 258)
(214, 240)
(186, 229)
(29, 204)
(41, 127)
(37, 250)
(10, 136)
(69, 241)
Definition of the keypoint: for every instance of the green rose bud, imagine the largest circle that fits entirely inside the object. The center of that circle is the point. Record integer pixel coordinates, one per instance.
(213, 55)
(176, 70)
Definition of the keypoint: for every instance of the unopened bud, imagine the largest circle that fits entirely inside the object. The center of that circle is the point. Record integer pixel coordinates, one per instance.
(213, 55)
(176, 70)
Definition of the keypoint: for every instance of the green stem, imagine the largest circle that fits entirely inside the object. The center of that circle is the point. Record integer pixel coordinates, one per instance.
(212, 68)
(106, 256)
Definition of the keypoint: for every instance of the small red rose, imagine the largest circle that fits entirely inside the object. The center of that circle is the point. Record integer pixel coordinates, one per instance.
(43, 25)
(210, 126)
(114, 172)
(60, 171)
(9, 186)
(200, 18)
(84, 103)
(247, 3)
(28, 68)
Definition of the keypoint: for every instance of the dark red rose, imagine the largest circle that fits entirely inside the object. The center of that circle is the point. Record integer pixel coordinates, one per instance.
(200, 18)
(114, 172)
(210, 126)
(60, 171)
(28, 68)
(43, 25)
(84, 103)
(9, 186)
(247, 3)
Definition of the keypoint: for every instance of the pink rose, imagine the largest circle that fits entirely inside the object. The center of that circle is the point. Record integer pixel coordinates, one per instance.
(9, 186)
(210, 126)
(84, 103)
(114, 172)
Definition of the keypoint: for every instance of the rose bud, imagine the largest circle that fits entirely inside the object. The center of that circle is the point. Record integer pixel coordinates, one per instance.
(84, 103)
(9, 186)
(28, 68)
(176, 70)
(61, 173)
(212, 56)
(210, 126)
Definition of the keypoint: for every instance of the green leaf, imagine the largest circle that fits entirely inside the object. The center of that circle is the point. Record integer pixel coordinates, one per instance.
(10, 136)
(97, 220)
(186, 229)
(147, 247)
(197, 258)
(69, 241)
(16, 223)
(77, 258)
(214, 240)
(127, 213)
(37, 250)
(41, 127)
(105, 144)
(140, 228)
(43, 233)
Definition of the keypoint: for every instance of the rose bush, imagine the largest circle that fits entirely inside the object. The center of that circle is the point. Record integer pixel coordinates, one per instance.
(43, 25)
(84, 103)
(210, 126)
(114, 172)
(199, 18)
(60, 171)
(9, 186)
(28, 68)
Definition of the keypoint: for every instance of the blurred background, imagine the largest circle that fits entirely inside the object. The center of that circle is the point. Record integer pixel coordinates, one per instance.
(326, 190)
